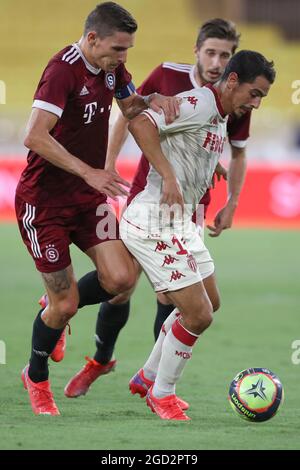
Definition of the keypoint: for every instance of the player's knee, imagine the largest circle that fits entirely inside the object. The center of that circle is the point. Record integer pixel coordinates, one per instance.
(66, 309)
(203, 316)
(119, 282)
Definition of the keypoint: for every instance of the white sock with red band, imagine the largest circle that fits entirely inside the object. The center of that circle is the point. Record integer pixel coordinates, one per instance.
(151, 366)
(176, 349)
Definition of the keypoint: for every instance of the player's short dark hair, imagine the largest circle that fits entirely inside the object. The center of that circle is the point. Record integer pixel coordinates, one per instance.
(109, 17)
(248, 65)
(220, 29)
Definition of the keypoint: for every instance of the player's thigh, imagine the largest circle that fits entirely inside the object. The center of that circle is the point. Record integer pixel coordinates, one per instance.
(45, 232)
(210, 284)
(114, 264)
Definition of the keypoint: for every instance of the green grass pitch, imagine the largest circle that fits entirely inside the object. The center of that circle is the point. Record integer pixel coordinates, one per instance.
(258, 273)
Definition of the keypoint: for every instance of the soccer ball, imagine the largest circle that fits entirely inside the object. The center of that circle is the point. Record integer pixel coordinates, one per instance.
(256, 394)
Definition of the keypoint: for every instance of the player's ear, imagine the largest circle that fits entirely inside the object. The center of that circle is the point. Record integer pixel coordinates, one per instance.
(232, 80)
(91, 37)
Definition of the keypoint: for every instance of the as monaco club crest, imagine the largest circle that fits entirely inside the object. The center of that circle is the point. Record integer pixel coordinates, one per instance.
(110, 81)
(192, 263)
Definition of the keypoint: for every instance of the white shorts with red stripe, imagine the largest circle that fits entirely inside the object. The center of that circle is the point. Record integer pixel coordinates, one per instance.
(171, 260)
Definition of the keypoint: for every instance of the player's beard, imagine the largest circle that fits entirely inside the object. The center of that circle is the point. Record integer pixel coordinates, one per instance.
(204, 79)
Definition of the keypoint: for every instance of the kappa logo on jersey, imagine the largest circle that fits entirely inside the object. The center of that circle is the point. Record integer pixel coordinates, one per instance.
(169, 260)
(214, 143)
(214, 121)
(84, 91)
(193, 100)
(52, 254)
(176, 275)
(110, 81)
(90, 111)
(160, 246)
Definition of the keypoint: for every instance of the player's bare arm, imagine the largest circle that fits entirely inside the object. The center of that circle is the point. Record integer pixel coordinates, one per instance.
(117, 137)
(147, 138)
(39, 140)
(236, 177)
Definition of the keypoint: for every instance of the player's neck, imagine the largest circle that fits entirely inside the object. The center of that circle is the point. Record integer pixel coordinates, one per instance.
(224, 96)
(198, 78)
(85, 49)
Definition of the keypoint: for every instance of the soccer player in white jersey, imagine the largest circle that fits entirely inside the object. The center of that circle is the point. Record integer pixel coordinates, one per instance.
(183, 157)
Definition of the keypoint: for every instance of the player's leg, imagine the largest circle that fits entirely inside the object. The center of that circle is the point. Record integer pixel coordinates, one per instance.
(164, 307)
(45, 234)
(117, 272)
(195, 317)
(63, 298)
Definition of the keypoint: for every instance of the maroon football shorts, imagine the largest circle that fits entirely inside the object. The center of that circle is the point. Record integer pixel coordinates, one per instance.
(48, 231)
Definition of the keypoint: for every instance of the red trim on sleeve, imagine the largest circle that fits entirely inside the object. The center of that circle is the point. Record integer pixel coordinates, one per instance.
(151, 118)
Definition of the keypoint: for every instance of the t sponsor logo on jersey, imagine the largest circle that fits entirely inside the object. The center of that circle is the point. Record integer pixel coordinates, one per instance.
(84, 91)
(110, 81)
(90, 111)
(52, 254)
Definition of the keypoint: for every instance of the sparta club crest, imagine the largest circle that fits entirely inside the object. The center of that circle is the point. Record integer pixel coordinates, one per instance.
(110, 81)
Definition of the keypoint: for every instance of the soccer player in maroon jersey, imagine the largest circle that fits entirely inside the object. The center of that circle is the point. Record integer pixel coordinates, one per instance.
(216, 42)
(65, 183)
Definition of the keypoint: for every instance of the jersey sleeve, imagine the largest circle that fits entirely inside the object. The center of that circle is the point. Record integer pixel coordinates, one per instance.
(195, 110)
(124, 86)
(238, 130)
(55, 87)
(151, 83)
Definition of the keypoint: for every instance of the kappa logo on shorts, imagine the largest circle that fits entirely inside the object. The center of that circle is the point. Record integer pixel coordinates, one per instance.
(169, 260)
(176, 275)
(52, 254)
(110, 81)
(160, 246)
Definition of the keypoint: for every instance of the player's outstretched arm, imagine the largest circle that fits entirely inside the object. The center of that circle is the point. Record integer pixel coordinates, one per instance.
(135, 104)
(39, 140)
(235, 180)
(147, 138)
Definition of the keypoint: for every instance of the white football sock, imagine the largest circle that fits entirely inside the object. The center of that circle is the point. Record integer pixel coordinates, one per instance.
(151, 365)
(176, 350)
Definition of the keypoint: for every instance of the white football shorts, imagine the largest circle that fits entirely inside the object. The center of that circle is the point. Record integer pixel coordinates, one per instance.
(170, 261)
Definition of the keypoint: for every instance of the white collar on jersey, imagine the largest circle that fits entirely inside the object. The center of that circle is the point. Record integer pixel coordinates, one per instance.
(89, 66)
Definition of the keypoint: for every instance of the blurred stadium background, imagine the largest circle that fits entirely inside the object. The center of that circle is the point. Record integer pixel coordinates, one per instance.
(258, 266)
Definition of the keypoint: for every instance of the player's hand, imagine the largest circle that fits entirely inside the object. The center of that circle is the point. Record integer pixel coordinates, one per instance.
(168, 104)
(222, 221)
(171, 194)
(107, 182)
(220, 172)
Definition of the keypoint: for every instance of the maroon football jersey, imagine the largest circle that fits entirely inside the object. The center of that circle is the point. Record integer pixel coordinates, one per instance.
(169, 79)
(81, 96)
